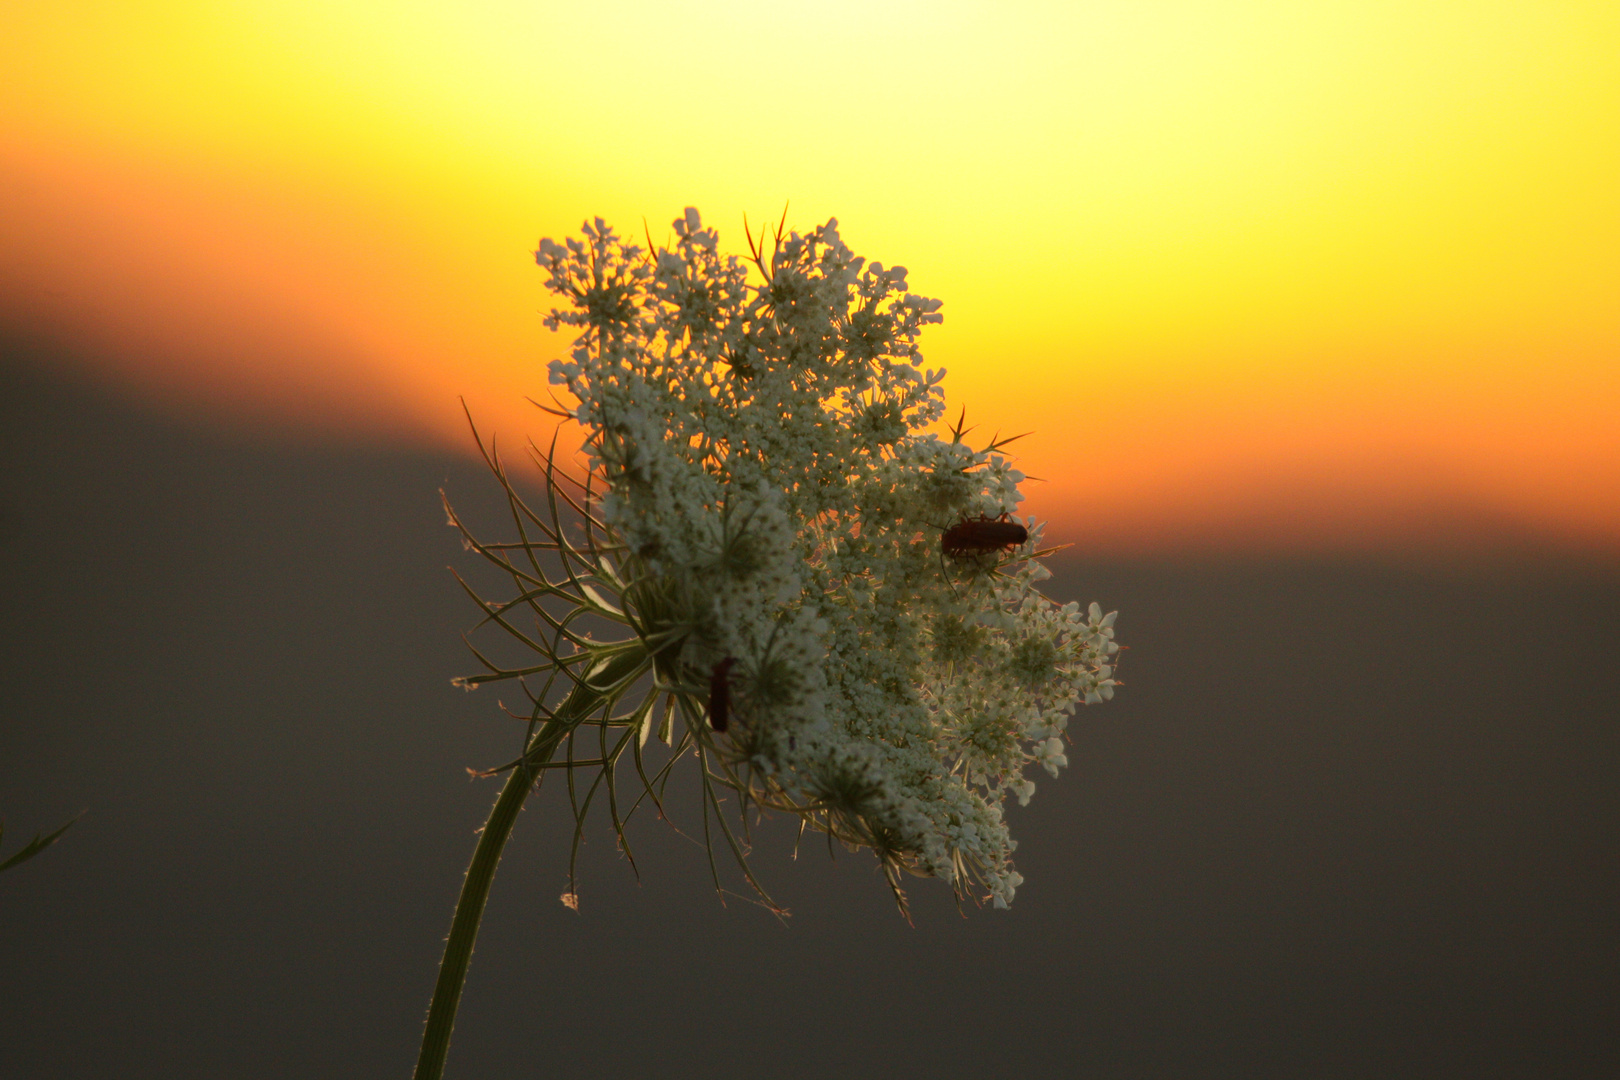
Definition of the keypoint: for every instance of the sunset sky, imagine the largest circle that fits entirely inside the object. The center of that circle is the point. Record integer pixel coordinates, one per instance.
(1259, 275)
(1312, 308)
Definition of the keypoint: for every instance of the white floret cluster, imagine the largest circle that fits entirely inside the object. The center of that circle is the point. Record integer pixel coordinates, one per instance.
(771, 477)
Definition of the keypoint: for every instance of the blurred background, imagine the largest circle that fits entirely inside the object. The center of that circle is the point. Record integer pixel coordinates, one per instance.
(1310, 309)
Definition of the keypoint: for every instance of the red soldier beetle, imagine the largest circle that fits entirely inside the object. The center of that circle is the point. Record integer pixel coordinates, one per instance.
(968, 539)
(720, 694)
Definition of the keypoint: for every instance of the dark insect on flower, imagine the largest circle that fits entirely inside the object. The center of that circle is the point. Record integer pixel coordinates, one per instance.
(981, 536)
(720, 694)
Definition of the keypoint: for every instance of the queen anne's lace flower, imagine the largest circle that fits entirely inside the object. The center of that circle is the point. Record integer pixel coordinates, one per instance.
(776, 504)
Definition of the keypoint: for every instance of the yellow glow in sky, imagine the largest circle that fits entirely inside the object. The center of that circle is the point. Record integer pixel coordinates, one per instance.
(1257, 274)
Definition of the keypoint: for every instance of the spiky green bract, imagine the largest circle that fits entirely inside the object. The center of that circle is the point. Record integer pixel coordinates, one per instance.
(575, 685)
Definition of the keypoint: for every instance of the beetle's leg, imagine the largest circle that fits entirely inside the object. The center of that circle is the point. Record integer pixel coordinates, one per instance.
(946, 574)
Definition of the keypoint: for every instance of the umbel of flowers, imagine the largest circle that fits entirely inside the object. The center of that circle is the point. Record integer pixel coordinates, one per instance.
(826, 602)
(781, 504)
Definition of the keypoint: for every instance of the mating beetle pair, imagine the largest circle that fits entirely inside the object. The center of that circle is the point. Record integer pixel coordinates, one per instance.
(968, 539)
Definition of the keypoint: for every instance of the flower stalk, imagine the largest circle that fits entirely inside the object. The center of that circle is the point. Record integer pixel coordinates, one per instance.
(523, 778)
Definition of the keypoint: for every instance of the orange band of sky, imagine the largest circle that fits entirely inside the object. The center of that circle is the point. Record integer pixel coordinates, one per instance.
(1258, 275)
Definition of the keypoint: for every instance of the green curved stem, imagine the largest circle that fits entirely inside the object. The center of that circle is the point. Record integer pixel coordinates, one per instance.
(458, 947)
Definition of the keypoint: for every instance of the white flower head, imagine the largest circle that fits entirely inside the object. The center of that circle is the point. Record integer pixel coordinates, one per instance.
(841, 589)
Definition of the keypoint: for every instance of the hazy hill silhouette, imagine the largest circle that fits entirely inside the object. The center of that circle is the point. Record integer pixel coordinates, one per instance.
(1344, 820)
